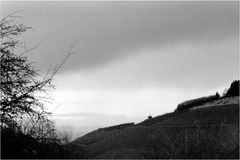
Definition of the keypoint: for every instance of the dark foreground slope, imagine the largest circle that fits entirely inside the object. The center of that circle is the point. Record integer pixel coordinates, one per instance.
(203, 133)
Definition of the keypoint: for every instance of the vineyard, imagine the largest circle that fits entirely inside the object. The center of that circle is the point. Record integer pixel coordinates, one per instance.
(211, 132)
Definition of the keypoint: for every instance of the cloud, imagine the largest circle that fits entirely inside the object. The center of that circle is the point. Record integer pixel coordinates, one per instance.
(182, 67)
(110, 31)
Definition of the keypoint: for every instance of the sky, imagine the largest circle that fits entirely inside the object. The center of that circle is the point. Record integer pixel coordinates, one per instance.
(131, 59)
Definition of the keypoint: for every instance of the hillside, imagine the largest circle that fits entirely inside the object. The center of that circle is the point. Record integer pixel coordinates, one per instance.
(220, 102)
(208, 130)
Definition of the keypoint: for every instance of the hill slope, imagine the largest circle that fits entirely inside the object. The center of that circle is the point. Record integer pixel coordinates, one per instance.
(210, 132)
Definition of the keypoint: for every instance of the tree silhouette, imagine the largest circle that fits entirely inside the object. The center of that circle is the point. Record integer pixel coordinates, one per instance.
(23, 89)
(234, 89)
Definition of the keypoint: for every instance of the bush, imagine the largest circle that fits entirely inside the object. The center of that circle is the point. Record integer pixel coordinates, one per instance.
(195, 102)
(17, 145)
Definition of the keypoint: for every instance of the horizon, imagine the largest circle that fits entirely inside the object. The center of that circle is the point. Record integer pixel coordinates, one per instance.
(133, 59)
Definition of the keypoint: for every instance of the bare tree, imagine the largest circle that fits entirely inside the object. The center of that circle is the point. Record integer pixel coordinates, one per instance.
(42, 129)
(23, 89)
(65, 134)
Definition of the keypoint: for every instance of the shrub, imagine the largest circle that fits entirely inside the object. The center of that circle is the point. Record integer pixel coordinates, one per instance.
(195, 102)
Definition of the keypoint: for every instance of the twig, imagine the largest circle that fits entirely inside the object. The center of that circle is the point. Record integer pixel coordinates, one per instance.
(34, 47)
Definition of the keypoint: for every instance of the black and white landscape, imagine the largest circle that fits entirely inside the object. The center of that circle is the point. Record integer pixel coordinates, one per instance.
(125, 79)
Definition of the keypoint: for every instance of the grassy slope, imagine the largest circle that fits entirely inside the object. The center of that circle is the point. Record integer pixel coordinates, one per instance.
(227, 114)
(145, 139)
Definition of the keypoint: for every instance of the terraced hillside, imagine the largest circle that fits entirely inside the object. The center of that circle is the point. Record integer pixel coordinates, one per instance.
(217, 115)
(210, 132)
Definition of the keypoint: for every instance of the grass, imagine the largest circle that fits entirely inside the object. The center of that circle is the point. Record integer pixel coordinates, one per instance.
(197, 143)
(149, 122)
(155, 142)
(228, 114)
(203, 133)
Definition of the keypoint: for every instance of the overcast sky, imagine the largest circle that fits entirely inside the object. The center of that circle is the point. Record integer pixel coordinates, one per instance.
(133, 58)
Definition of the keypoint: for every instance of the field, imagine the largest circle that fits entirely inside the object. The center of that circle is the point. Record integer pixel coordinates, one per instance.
(211, 132)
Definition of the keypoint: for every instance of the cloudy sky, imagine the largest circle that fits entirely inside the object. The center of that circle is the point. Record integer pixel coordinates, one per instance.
(132, 58)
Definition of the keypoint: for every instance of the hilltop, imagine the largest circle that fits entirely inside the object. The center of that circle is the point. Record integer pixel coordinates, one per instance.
(208, 130)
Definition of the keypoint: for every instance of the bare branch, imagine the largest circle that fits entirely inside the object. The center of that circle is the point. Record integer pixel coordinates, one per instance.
(21, 83)
(34, 47)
